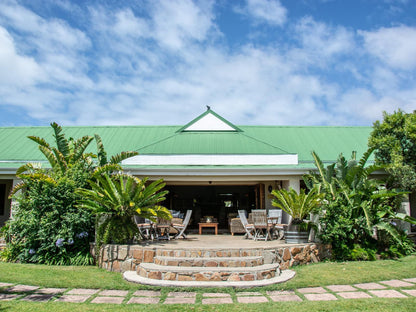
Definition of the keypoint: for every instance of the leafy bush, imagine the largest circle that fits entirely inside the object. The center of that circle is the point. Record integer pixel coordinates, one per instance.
(48, 227)
(358, 211)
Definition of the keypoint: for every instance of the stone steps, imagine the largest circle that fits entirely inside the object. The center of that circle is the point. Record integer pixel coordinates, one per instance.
(249, 261)
(184, 266)
(206, 274)
(133, 277)
(209, 252)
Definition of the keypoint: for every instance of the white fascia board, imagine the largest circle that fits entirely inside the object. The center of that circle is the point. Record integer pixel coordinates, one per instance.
(216, 172)
(212, 160)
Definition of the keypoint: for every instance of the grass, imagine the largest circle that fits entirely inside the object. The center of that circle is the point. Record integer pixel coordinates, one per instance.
(320, 274)
(379, 305)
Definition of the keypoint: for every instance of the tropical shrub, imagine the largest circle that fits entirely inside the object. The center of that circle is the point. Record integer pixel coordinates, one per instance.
(47, 226)
(116, 200)
(299, 206)
(358, 214)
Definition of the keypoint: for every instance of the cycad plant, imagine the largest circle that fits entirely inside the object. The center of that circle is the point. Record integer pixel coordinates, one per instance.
(298, 205)
(116, 199)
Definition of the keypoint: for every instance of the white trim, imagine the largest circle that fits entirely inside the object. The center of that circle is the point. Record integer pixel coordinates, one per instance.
(212, 160)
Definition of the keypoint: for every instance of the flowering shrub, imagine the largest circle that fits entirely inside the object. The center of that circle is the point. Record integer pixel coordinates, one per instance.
(48, 227)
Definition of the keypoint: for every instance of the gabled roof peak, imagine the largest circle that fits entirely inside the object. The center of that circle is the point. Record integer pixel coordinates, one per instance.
(209, 121)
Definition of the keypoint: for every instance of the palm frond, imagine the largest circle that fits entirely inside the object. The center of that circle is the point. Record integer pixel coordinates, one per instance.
(116, 159)
(61, 141)
(80, 146)
(29, 167)
(107, 168)
(40, 141)
(101, 153)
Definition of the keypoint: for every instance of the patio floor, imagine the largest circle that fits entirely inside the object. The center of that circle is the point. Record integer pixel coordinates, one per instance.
(220, 241)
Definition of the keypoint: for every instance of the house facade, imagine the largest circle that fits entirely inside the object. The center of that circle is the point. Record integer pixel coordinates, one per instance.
(209, 165)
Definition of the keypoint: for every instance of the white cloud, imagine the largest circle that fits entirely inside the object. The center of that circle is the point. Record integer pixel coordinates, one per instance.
(164, 66)
(320, 42)
(178, 22)
(395, 46)
(265, 11)
(16, 70)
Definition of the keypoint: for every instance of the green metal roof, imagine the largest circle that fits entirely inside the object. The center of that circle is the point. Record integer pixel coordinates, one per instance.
(328, 142)
(213, 143)
(16, 149)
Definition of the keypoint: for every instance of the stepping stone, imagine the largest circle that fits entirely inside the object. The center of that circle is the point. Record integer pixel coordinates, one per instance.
(312, 290)
(411, 292)
(73, 298)
(387, 293)
(320, 297)
(38, 297)
(82, 291)
(144, 300)
(341, 288)
(5, 284)
(280, 292)
(179, 300)
(7, 297)
(285, 298)
(397, 283)
(370, 286)
(115, 293)
(21, 288)
(411, 280)
(217, 300)
(182, 294)
(147, 293)
(354, 295)
(113, 300)
(252, 299)
(52, 291)
(248, 293)
(216, 295)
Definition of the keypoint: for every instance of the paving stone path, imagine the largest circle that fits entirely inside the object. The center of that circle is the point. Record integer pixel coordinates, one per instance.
(404, 288)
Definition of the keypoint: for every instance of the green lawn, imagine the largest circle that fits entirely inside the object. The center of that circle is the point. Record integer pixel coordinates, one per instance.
(320, 274)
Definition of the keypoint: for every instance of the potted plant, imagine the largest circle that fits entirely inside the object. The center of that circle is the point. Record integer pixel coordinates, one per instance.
(298, 206)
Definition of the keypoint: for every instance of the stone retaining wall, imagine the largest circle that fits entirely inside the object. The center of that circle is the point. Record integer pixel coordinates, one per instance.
(121, 258)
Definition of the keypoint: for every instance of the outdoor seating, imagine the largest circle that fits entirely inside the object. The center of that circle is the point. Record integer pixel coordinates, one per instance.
(145, 227)
(249, 228)
(162, 229)
(236, 226)
(182, 226)
(275, 219)
(261, 225)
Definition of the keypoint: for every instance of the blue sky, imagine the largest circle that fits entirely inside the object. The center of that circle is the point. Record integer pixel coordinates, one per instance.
(255, 62)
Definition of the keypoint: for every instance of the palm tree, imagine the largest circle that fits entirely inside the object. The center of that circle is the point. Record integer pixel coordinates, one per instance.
(69, 154)
(116, 199)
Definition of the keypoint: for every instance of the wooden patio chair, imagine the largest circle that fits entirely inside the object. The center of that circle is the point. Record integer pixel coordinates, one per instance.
(145, 227)
(261, 226)
(249, 228)
(182, 227)
(275, 219)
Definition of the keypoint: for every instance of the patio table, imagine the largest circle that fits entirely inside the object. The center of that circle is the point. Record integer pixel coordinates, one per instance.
(208, 224)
